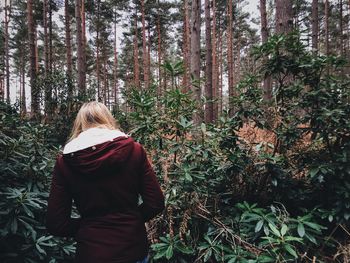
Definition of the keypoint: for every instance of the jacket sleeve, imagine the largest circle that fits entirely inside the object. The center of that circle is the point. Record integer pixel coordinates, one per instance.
(58, 216)
(152, 195)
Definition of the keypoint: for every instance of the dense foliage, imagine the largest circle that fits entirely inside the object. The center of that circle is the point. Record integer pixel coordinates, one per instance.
(27, 159)
(227, 199)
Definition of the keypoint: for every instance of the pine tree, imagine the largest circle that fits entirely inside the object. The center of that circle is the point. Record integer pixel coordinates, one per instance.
(80, 49)
(231, 91)
(284, 16)
(264, 36)
(144, 47)
(35, 106)
(186, 43)
(68, 44)
(315, 25)
(326, 25)
(195, 52)
(7, 48)
(215, 65)
(209, 65)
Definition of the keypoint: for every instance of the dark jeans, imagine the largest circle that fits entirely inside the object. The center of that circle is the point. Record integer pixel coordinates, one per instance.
(145, 260)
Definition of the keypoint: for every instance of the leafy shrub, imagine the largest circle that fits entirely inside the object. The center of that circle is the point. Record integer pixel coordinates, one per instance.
(26, 161)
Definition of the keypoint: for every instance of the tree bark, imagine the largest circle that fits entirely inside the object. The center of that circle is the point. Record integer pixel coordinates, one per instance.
(136, 55)
(80, 49)
(315, 26)
(326, 13)
(98, 50)
(231, 90)
(115, 62)
(159, 53)
(83, 27)
(69, 72)
(144, 47)
(209, 64)
(46, 39)
(264, 37)
(105, 85)
(186, 51)
(149, 45)
(47, 54)
(22, 87)
(214, 65)
(33, 73)
(50, 37)
(7, 50)
(195, 53)
(36, 49)
(284, 16)
(221, 74)
(341, 29)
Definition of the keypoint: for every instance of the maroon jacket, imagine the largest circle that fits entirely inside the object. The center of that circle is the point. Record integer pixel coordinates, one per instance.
(105, 182)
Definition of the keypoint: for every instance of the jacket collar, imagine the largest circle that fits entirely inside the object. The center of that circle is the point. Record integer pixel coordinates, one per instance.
(91, 137)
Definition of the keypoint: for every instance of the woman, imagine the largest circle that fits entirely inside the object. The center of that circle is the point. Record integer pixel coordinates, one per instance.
(104, 171)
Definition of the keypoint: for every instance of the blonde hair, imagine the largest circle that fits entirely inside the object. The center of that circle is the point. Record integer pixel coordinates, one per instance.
(92, 114)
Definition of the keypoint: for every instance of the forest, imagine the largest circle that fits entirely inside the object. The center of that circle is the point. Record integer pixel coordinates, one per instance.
(242, 107)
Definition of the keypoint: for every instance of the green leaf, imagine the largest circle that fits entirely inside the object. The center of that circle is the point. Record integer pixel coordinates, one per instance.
(266, 230)
(291, 250)
(259, 225)
(274, 230)
(284, 229)
(301, 230)
(330, 218)
(207, 255)
(160, 254)
(315, 226)
(169, 252)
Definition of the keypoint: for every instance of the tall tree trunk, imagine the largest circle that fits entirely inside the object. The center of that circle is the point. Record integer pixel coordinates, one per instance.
(80, 49)
(2, 78)
(33, 73)
(105, 85)
(2, 91)
(47, 54)
(83, 27)
(144, 47)
(7, 50)
(264, 36)
(215, 67)
(98, 50)
(23, 90)
(209, 63)
(220, 74)
(50, 37)
(231, 90)
(315, 26)
(326, 13)
(160, 84)
(347, 44)
(68, 50)
(136, 56)
(341, 29)
(149, 45)
(195, 53)
(36, 49)
(186, 51)
(115, 62)
(46, 38)
(237, 65)
(284, 16)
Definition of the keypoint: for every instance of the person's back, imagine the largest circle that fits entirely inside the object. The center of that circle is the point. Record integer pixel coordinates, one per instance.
(104, 171)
